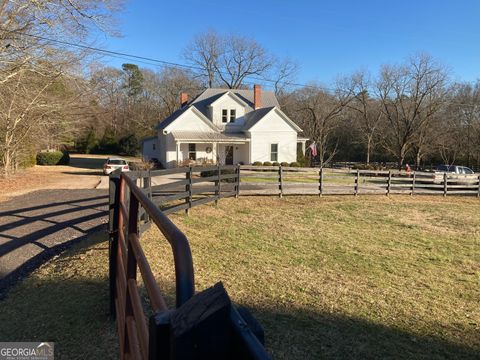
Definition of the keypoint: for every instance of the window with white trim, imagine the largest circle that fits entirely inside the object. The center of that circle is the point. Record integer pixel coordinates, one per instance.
(224, 116)
(233, 115)
(273, 152)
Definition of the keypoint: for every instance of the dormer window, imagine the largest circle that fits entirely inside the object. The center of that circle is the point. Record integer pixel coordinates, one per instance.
(233, 115)
(224, 116)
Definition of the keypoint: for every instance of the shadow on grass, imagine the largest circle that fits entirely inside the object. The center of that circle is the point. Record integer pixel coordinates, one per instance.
(300, 334)
(67, 303)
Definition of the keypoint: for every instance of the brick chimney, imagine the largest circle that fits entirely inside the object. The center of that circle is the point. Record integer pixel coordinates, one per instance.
(257, 97)
(183, 99)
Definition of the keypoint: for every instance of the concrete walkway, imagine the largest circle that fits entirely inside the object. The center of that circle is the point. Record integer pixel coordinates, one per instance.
(36, 226)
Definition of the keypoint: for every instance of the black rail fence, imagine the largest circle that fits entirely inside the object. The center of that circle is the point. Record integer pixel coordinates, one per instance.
(201, 326)
(206, 324)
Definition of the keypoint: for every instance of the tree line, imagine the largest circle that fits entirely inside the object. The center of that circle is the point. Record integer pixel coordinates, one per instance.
(55, 97)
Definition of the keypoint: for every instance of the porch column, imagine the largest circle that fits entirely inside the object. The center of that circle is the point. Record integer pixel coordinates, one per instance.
(177, 143)
(303, 147)
(214, 152)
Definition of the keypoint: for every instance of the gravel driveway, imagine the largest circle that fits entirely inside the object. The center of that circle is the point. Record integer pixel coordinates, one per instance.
(36, 226)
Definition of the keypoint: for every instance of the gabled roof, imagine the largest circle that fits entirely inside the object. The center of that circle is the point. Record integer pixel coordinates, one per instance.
(171, 119)
(232, 94)
(207, 97)
(254, 117)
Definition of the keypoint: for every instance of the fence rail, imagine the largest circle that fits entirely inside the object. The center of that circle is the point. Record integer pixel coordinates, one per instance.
(278, 180)
(183, 332)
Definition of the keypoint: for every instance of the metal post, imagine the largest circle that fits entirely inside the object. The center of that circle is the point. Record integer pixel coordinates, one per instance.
(445, 186)
(280, 179)
(389, 182)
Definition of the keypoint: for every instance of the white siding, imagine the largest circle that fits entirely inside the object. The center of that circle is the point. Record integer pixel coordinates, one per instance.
(228, 103)
(189, 121)
(150, 149)
(273, 130)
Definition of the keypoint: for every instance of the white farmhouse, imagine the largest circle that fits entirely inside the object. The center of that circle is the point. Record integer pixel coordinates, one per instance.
(227, 127)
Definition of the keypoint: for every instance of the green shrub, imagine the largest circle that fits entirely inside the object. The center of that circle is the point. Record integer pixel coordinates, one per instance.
(302, 160)
(294, 164)
(108, 143)
(283, 163)
(128, 145)
(88, 144)
(257, 163)
(53, 158)
(275, 163)
(267, 163)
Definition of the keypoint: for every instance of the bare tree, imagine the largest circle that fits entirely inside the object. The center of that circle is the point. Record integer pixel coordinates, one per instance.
(240, 58)
(411, 94)
(203, 53)
(283, 74)
(34, 72)
(367, 110)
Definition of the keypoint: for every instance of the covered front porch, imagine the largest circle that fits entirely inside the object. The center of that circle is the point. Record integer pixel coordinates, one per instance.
(210, 148)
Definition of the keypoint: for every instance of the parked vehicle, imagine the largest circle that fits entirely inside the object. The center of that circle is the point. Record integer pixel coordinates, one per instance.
(113, 164)
(455, 173)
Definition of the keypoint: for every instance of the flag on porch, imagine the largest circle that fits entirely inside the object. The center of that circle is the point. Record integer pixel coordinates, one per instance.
(313, 149)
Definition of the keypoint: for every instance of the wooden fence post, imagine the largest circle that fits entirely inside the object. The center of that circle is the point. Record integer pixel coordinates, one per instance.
(188, 187)
(147, 184)
(413, 182)
(280, 179)
(478, 193)
(320, 182)
(237, 180)
(389, 182)
(445, 186)
(357, 182)
(217, 185)
(219, 181)
(113, 211)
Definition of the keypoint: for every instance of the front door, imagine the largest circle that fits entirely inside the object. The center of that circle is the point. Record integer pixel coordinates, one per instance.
(228, 155)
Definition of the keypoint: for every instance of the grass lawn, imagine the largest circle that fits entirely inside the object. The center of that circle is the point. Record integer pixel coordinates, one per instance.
(65, 301)
(332, 277)
(342, 277)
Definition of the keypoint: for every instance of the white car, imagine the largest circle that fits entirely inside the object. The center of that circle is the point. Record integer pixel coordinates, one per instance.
(113, 164)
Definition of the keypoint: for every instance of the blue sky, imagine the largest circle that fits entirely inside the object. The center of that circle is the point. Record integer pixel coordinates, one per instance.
(326, 38)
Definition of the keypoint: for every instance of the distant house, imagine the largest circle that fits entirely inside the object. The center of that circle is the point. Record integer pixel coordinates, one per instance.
(227, 127)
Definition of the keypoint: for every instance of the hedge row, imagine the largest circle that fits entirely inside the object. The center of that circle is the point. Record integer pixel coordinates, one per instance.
(268, 163)
(53, 158)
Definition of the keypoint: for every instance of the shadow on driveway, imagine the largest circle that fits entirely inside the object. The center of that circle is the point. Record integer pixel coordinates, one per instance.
(37, 226)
